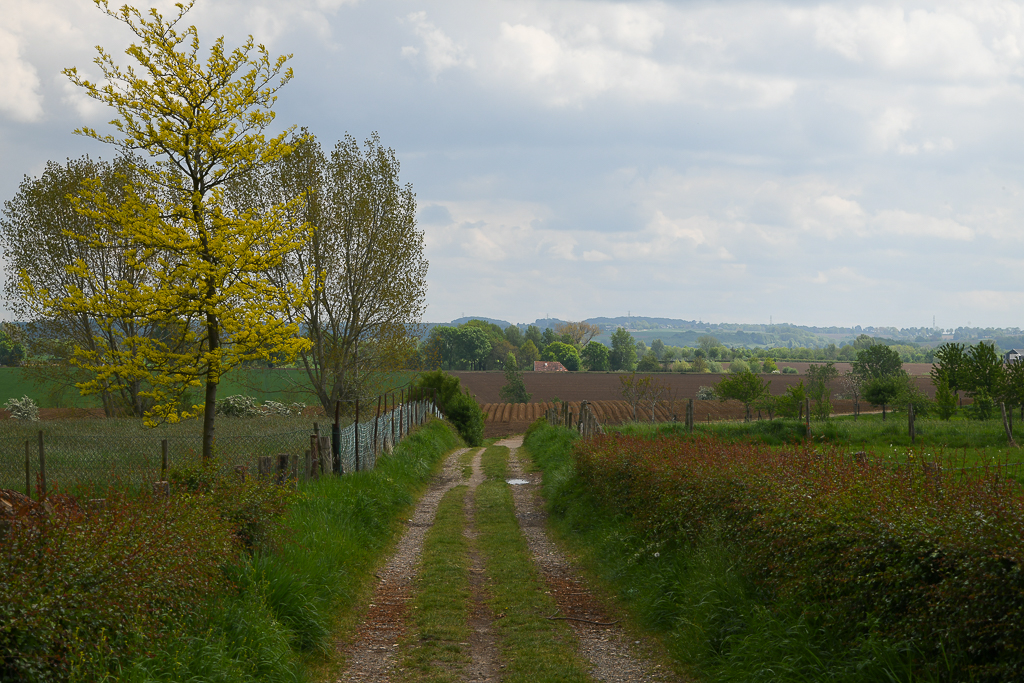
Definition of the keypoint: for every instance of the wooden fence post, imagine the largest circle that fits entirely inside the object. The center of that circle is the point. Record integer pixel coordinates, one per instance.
(1006, 427)
(314, 450)
(376, 426)
(163, 459)
(42, 468)
(307, 464)
(264, 465)
(28, 468)
(910, 422)
(336, 439)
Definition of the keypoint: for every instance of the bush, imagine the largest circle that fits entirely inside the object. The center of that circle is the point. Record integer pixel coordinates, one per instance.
(460, 408)
(705, 394)
(920, 560)
(788, 370)
(681, 366)
(22, 408)
(739, 366)
(238, 406)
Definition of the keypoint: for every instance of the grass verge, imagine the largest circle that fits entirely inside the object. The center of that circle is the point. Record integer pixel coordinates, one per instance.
(532, 647)
(442, 602)
(695, 596)
(161, 590)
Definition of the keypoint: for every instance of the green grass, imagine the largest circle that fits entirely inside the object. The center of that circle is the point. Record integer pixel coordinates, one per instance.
(466, 463)
(712, 622)
(285, 385)
(123, 451)
(969, 443)
(532, 647)
(281, 609)
(441, 607)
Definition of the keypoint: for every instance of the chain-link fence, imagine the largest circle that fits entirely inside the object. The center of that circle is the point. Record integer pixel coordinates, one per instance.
(100, 453)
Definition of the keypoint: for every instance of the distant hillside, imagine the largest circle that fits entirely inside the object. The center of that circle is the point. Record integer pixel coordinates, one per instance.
(678, 332)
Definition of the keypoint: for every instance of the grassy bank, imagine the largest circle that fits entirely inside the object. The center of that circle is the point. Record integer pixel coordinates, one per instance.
(223, 581)
(754, 564)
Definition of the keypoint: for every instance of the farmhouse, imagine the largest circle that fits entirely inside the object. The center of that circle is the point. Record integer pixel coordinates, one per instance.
(1012, 356)
(548, 366)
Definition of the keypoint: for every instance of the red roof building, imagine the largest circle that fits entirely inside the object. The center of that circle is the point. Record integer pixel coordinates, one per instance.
(548, 366)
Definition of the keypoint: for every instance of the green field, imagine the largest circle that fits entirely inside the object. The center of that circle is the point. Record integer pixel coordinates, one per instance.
(286, 385)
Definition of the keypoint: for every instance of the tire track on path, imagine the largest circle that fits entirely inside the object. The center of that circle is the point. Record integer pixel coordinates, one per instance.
(614, 656)
(370, 658)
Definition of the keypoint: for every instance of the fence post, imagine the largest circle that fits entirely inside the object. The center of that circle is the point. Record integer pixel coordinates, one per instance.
(392, 420)
(314, 450)
(264, 463)
(807, 416)
(336, 439)
(376, 426)
(163, 460)
(1006, 426)
(307, 464)
(28, 468)
(910, 421)
(42, 468)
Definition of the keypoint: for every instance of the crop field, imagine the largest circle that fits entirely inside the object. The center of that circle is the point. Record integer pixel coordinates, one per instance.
(505, 419)
(605, 386)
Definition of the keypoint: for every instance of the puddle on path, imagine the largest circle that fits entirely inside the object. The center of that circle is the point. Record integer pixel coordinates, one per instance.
(516, 482)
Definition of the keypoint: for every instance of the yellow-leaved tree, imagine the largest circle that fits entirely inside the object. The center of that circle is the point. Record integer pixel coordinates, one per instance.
(206, 259)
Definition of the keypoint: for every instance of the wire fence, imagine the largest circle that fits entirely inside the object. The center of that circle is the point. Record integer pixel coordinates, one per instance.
(74, 454)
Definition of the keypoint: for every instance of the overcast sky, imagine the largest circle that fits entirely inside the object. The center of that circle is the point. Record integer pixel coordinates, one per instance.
(831, 163)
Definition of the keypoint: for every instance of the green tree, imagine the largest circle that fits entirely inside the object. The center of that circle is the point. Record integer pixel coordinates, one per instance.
(649, 363)
(884, 390)
(709, 345)
(514, 390)
(658, 347)
(203, 123)
(595, 356)
(623, 353)
(950, 363)
(533, 334)
(983, 370)
(791, 403)
(528, 353)
(745, 387)
(579, 333)
(41, 234)
(458, 406)
(945, 400)
(514, 336)
(819, 388)
(1012, 390)
(877, 361)
(364, 257)
(563, 353)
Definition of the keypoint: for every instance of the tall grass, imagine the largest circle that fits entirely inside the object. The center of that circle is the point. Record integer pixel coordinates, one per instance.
(200, 586)
(760, 563)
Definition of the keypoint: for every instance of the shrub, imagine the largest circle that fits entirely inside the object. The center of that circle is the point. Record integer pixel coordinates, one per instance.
(460, 408)
(738, 366)
(788, 370)
(705, 394)
(681, 366)
(238, 406)
(921, 559)
(22, 408)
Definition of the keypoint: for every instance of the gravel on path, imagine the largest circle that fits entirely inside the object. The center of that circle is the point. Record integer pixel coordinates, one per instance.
(614, 656)
(371, 656)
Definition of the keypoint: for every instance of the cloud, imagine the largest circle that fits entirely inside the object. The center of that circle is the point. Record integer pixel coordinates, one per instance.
(907, 224)
(439, 52)
(19, 84)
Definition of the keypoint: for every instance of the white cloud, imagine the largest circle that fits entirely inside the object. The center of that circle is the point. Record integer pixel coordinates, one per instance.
(905, 223)
(19, 84)
(439, 51)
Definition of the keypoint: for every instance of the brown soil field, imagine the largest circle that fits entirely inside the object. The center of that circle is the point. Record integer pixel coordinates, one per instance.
(606, 386)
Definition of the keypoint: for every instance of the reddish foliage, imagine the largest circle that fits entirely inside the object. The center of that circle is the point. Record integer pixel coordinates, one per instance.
(922, 554)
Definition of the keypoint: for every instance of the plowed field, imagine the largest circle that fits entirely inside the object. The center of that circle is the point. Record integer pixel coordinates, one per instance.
(504, 419)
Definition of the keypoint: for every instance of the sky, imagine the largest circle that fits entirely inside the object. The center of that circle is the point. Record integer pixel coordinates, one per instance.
(836, 163)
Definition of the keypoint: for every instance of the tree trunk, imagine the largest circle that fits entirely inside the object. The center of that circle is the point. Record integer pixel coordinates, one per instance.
(212, 378)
